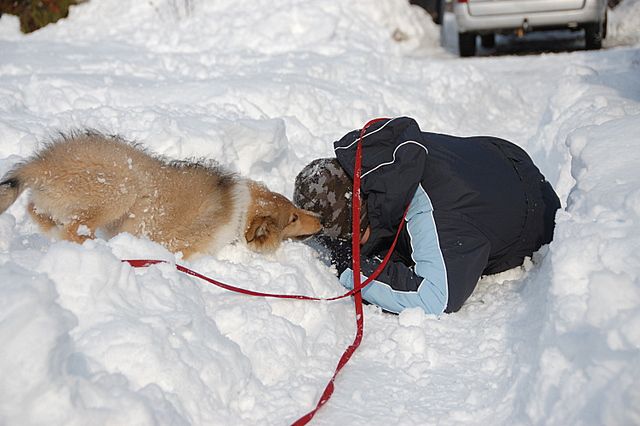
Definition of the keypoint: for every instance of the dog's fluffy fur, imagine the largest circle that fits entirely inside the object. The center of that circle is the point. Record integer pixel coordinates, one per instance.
(88, 181)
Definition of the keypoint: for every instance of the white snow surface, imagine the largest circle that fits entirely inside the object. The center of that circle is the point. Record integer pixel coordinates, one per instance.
(264, 87)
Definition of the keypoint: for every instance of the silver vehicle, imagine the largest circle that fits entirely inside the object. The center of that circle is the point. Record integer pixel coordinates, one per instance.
(486, 18)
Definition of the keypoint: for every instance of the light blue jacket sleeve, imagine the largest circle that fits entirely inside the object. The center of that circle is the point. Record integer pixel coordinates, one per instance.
(425, 285)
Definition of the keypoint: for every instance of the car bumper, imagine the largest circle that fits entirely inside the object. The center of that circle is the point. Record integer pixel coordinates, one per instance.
(592, 11)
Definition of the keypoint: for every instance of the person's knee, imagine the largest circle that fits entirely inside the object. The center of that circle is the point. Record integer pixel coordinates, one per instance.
(551, 207)
(453, 306)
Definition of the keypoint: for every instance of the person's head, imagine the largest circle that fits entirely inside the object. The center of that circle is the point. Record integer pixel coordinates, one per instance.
(324, 188)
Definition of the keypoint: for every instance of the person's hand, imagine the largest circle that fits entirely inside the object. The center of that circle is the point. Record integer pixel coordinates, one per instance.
(365, 235)
(365, 228)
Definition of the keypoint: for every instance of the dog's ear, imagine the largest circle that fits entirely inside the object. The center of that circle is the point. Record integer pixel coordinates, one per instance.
(258, 228)
(263, 234)
(293, 217)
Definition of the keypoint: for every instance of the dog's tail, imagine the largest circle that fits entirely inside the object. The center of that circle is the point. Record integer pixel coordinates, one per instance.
(10, 189)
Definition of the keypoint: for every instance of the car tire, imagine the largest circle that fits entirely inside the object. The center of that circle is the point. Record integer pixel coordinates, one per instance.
(467, 44)
(593, 35)
(438, 15)
(435, 8)
(488, 41)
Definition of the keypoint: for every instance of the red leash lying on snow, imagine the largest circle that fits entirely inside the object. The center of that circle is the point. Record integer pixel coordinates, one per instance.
(357, 285)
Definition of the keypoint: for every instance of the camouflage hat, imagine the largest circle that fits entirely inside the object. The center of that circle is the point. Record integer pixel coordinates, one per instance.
(323, 187)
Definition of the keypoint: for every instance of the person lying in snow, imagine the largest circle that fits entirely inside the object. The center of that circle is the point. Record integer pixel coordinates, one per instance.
(477, 206)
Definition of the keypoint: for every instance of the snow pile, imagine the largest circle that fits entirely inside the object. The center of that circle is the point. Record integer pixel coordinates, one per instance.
(624, 22)
(264, 88)
(592, 317)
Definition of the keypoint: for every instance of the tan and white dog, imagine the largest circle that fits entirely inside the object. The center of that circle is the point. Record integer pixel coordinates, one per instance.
(88, 181)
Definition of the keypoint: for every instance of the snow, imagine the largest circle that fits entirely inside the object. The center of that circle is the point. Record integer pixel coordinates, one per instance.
(264, 88)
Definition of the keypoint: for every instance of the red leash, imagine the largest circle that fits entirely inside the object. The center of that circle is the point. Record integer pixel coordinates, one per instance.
(141, 263)
(357, 285)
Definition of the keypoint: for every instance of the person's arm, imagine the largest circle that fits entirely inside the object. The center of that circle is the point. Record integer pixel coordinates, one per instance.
(409, 290)
(442, 277)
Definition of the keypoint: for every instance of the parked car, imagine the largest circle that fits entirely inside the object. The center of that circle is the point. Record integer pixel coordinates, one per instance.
(486, 18)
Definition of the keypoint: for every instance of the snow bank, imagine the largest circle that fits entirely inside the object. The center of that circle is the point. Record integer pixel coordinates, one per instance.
(589, 340)
(264, 87)
(624, 22)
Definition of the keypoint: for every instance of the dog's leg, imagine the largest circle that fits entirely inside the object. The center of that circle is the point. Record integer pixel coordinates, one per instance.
(45, 222)
(80, 229)
(75, 232)
(187, 252)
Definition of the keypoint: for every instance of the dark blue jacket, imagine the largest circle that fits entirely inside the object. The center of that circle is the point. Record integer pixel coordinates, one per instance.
(478, 206)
